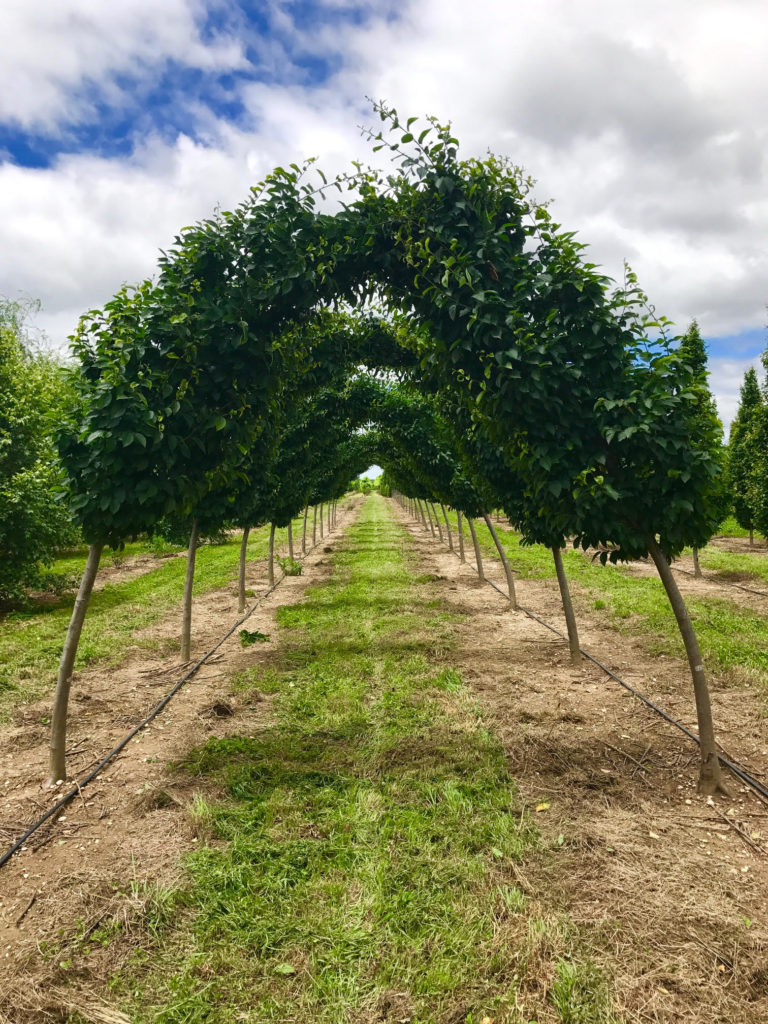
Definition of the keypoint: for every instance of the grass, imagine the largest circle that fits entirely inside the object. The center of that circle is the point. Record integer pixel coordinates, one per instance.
(730, 528)
(743, 567)
(72, 562)
(734, 641)
(361, 849)
(31, 640)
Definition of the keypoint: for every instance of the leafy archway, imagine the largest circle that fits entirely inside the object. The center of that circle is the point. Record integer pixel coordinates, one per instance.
(183, 383)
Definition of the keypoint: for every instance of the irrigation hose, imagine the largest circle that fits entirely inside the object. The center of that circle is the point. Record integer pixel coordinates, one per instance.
(732, 766)
(79, 786)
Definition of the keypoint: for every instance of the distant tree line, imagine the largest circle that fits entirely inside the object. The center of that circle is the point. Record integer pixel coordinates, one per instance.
(34, 522)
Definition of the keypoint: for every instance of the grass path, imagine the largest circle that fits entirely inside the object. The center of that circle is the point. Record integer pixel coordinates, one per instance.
(360, 851)
(31, 641)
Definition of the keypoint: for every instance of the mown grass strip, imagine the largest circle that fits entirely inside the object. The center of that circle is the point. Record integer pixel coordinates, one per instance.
(734, 641)
(360, 864)
(31, 640)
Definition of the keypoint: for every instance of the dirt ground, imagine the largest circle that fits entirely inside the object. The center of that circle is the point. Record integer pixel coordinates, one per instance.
(671, 887)
(741, 545)
(129, 826)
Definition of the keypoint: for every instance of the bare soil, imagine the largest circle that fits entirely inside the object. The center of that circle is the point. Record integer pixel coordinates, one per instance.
(672, 887)
(741, 545)
(132, 825)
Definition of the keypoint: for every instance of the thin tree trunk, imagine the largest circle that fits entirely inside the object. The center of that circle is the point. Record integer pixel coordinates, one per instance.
(447, 527)
(478, 556)
(565, 596)
(421, 513)
(437, 524)
(429, 517)
(189, 579)
(710, 780)
(290, 541)
(241, 574)
(504, 562)
(696, 567)
(57, 768)
(271, 566)
(321, 520)
(314, 525)
(329, 516)
(751, 537)
(462, 557)
(304, 532)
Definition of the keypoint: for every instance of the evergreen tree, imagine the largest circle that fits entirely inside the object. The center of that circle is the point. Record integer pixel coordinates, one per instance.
(693, 352)
(743, 452)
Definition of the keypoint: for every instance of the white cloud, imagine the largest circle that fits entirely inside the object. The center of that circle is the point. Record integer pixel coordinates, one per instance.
(644, 122)
(50, 53)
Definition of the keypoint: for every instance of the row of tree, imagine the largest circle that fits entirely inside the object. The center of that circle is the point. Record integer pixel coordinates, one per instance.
(240, 385)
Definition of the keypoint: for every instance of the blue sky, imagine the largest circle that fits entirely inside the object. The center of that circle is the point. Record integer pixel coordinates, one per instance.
(643, 122)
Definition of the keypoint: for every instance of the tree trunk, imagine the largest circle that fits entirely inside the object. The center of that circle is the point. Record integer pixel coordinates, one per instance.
(314, 525)
(290, 541)
(57, 768)
(429, 517)
(565, 596)
(241, 575)
(304, 532)
(696, 567)
(421, 513)
(321, 520)
(751, 537)
(329, 516)
(462, 557)
(189, 579)
(271, 567)
(447, 527)
(437, 524)
(710, 780)
(504, 562)
(478, 556)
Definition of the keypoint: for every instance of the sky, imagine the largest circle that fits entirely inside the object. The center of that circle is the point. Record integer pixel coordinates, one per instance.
(643, 121)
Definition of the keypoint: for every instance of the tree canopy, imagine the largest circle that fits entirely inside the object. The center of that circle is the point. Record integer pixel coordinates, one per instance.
(252, 377)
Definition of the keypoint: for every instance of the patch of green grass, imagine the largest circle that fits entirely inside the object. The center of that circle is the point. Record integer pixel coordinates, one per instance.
(361, 852)
(31, 640)
(730, 528)
(580, 994)
(741, 567)
(72, 562)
